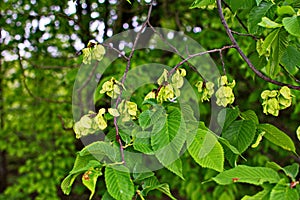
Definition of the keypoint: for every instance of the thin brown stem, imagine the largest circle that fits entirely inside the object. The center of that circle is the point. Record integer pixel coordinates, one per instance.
(119, 99)
(245, 58)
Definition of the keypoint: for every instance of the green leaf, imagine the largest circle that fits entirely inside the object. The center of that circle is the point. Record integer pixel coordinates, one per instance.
(128, 1)
(228, 145)
(238, 4)
(89, 180)
(285, 10)
(292, 25)
(150, 117)
(246, 174)
(291, 170)
(282, 191)
(250, 115)
(81, 164)
(291, 60)
(142, 142)
(277, 137)
(262, 195)
(167, 139)
(207, 151)
(153, 184)
(118, 183)
(256, 14)
(258, 2)
(67, 183)
(275, 43)
(201, 3)
(267, 23)
(226, 116)
(100, 150)
(240, 134)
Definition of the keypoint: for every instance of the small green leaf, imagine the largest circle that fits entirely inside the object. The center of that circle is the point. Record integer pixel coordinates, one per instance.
(291, 170)
(262, 195)
(246, 174)
(298, 133)
(292, 25)
(258, 2)
(67, 183)
(201, 3)
(128, 1)
(89, 179)
(277, 137)
(282, 191)
(228, 145)
(153, 184)
(118, 182)
(267, 23)
(207, 151)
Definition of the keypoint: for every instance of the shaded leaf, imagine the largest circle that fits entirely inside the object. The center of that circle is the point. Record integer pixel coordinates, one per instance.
(291, 60)
(240, 134)
(282, 191)
(256, 14)
(277, 137)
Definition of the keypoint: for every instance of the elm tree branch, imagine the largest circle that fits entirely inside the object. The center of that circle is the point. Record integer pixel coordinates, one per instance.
(245, 58)
(119, 99)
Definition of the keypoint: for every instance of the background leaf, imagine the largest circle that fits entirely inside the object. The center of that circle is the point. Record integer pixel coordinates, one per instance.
(277, 137)
(256, 14)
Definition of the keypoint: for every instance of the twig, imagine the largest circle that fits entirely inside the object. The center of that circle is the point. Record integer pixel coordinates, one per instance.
(116, 50)
(222, 61)
(246, 59)
(199, 54)
(124, 78)
(244, 34)
(63, 123)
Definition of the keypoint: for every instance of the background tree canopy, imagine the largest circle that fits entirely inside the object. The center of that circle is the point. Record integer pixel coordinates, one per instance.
(40, 42)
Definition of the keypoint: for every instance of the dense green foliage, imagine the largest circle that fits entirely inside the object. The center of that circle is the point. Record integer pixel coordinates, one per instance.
(249, 153)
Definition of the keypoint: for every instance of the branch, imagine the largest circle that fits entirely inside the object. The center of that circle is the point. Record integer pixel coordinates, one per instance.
(246, 59)
(124, 78)
(200, 54)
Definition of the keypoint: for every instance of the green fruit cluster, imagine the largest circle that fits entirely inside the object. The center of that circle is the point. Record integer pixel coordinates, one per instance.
(94, 51)
(205, 89)
(224, 93)
(275, 100)
(169, 87)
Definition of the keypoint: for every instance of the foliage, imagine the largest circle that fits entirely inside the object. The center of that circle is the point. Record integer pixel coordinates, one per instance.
(245, 154)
